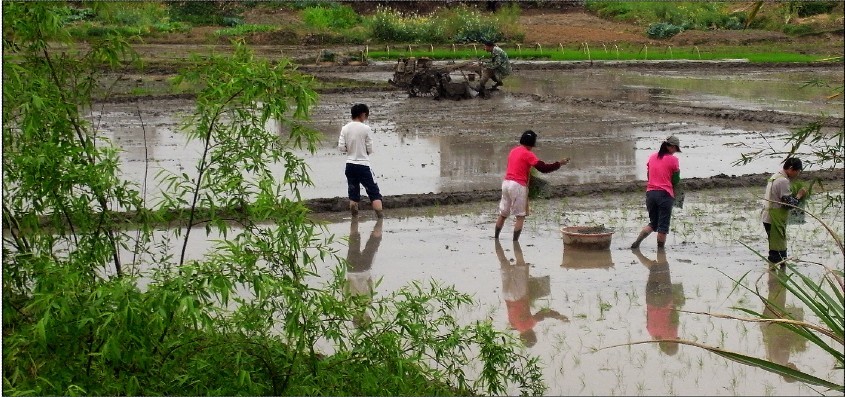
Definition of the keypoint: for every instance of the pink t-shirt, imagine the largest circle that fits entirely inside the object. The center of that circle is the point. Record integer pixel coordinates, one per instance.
(520, 161)
(660, 172)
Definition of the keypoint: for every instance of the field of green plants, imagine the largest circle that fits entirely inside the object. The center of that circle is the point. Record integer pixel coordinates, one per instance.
(340, 23)
(598, 52)
(666, 19)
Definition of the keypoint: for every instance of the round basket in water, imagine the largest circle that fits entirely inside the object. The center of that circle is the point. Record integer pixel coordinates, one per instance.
(586, 237)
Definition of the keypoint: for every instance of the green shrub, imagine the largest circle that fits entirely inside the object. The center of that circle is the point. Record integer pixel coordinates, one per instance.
(810, 8)
(687, 15)
(663, 30)
(130, 13)
(172, 27)
(457, 25)
(330, 17)
(467, 25)
(71, 14)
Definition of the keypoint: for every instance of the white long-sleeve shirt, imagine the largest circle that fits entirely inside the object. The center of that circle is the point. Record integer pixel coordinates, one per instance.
(356, 142)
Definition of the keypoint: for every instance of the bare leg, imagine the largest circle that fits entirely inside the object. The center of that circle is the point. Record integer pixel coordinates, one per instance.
(661, 240)
(517, 227)
(500, 223)
(643, 234)
(353, 208)
(377, 206)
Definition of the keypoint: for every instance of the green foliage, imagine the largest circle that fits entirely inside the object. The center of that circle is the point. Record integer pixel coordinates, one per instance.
(580, 54)
(72, 14)
(663, 30)
(92, 307)
(332, 16)
(245, 29)
(810, 8)
(460, 24)
(797, 30)
(119, 19)
(204, 12)
(664, 17)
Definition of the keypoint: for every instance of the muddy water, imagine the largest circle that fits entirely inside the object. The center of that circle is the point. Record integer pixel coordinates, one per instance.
(770, 89)
(422, 145)
(598, 299)
(612, 297)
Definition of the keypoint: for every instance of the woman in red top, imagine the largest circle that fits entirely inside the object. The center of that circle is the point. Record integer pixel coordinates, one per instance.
(663, 174)
(515, 185)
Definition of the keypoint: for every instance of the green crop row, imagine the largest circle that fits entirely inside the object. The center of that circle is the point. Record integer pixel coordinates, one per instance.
(598, 54)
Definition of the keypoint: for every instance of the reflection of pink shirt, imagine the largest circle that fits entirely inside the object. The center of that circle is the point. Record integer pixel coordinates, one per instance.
(659, 322)
(520, 161)
(660, 172)
(519, 314)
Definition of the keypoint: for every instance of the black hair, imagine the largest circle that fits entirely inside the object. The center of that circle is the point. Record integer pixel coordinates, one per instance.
(359, 109)
(528, 138)
(488, 42)
(793, 163)
(664, 149)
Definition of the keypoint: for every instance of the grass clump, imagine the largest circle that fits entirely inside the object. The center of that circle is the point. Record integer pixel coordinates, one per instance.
(330, 16)
(245, 29)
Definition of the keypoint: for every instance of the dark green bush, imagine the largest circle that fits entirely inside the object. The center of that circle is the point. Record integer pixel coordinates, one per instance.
(663, 30)
(810, 8)
(204, 12)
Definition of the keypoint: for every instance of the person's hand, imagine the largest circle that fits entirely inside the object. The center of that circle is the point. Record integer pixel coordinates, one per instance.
(565, 161)
(801, 193)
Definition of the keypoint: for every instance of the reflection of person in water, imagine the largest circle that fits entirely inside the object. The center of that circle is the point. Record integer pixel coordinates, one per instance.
(517, 298)
(359, 280)
(661, 313)
(779, 341)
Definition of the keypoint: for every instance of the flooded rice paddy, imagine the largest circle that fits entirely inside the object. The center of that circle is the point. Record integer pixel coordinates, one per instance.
(568, 306)
(423, 145)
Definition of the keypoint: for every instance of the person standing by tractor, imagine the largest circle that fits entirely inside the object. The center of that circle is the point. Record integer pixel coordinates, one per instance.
(515, 184)
(776, 204)
(496, 69)
(663, 174)
(355, 141)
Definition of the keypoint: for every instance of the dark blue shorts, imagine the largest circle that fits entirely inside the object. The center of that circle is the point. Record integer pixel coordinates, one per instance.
(659, 204)
(357, 175)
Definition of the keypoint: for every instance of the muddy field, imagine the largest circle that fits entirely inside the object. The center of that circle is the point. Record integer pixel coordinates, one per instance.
(608, 120)
(440, 164)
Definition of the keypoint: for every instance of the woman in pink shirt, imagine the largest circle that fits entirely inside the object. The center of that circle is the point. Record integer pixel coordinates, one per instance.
(663, 174)
(515, 185)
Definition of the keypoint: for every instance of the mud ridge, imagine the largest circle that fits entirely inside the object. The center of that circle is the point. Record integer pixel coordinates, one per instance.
(340, 204)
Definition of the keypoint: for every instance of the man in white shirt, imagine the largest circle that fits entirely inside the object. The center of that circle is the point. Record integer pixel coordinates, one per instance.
(355, 141)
